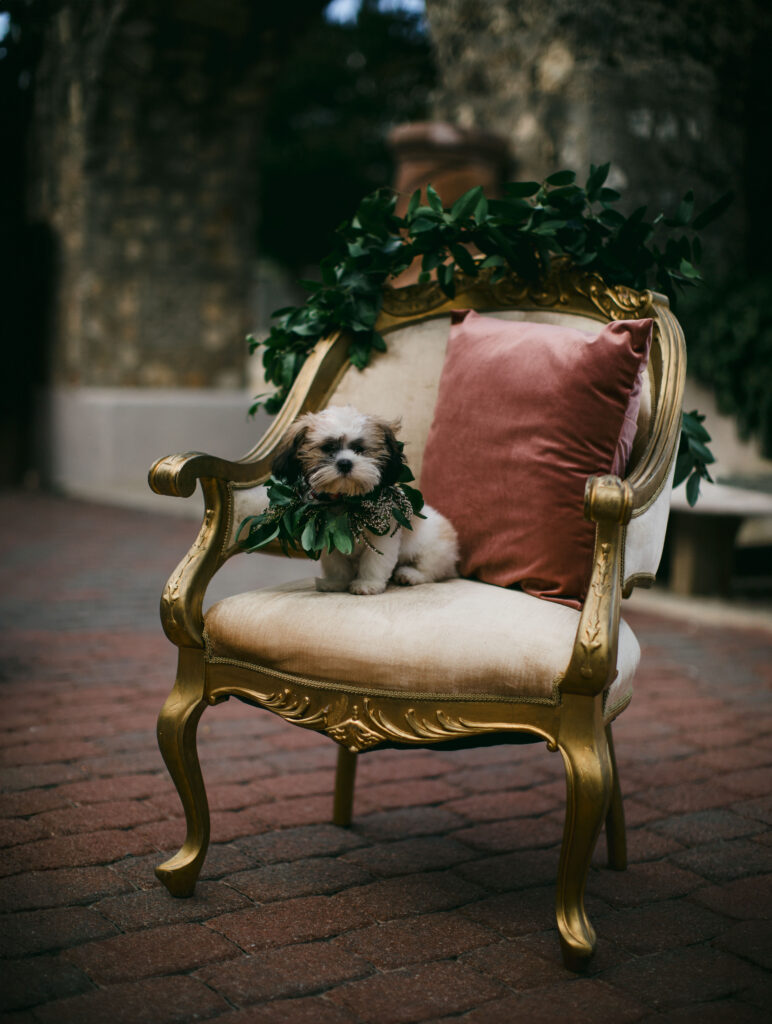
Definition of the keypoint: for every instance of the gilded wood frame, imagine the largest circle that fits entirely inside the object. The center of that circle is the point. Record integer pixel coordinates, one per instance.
(576, 723)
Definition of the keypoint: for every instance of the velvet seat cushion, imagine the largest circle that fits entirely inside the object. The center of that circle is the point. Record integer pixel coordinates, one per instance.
(459, 638)
(525, 413)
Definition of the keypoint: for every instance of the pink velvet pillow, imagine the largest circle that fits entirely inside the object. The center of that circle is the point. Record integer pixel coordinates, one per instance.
(525, 413)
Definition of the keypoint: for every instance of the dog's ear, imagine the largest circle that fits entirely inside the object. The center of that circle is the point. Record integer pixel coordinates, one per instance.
(395, 460)
(286, 465)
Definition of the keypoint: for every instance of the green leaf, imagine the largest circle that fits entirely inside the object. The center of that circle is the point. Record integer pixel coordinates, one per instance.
(401, 518)
(481, 209)
(340, 533)
(685, 209)
(522, 189)
(510, 211)
(597, 176)
(464, 259)
(445, 279)
(308, 537)
(465, 205)
(561, 196)
(432, 260)
(689, 270)
(423, 223)
(549, 227)
(275, 486)
(414, 496)
(415, 202)
(611, 218)
(691, 423)
(693, 489)
(698, 449)
(259, 536)
(683, 467)
(561, 178)
(712, 212)
(434, 199)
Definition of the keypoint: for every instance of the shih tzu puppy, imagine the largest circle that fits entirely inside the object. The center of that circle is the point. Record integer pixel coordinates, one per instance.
(342, 452)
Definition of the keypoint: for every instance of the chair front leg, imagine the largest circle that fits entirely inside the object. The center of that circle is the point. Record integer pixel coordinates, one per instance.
(583, 744)
(616, 833)
(177, 725)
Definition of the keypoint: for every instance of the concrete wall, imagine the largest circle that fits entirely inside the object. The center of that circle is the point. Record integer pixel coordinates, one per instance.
(99, 443)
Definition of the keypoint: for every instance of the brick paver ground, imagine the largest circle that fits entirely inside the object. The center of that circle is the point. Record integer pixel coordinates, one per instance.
(435, 906)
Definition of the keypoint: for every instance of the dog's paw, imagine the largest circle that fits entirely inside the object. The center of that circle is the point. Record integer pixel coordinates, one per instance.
(409, 576)
(366, 587)
(329, 586)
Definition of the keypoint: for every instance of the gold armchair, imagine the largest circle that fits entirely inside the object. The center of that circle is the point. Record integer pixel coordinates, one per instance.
(548, 671)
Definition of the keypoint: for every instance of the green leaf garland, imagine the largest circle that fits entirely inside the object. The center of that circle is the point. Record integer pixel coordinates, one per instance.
(303, 521)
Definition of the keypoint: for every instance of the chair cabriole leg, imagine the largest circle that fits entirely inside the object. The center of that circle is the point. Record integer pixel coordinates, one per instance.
(177, 725)
(345, 776)
(582, 743)
(616, 834)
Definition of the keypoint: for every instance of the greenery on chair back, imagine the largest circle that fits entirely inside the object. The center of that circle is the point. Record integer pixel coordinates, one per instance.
(519, 233)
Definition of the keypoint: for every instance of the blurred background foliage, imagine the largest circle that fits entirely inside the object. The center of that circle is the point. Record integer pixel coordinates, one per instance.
(729, 332)
(324, 136)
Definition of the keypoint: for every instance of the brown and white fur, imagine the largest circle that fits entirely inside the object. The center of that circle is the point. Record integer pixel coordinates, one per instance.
(342, 451)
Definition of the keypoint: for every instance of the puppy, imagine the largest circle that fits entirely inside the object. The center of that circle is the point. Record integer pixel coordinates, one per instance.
(340, 451)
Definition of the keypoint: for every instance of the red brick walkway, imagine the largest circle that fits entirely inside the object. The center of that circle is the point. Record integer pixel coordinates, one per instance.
(435, 906)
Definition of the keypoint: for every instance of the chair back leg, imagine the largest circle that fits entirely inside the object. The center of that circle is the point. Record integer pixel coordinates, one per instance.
(177, 725)
(345, 777)
(616, 834)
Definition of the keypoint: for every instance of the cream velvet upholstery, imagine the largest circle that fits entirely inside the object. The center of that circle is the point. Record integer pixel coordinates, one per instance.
(645, 536)
(457, 638)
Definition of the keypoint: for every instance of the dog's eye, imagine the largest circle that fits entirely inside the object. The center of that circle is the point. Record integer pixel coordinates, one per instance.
(357, 446)
(329, 447)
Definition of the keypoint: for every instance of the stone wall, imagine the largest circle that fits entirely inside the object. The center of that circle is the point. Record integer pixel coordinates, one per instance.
(663, 88)
(143, 146)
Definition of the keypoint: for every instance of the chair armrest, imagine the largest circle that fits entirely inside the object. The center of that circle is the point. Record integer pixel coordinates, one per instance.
(608, 502)
(176, 475)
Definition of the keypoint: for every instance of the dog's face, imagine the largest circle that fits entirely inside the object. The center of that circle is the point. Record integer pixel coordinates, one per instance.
(340, 451)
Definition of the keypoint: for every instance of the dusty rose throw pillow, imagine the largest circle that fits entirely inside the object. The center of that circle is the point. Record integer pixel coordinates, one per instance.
(525, 413)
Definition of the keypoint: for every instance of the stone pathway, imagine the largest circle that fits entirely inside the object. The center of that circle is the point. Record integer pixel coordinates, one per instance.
(437, 905)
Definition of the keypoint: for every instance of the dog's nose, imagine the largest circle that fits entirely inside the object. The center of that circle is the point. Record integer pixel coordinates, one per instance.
(344, 465)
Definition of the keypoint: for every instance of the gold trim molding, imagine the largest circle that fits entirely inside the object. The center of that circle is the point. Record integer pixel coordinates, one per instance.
(565, 288)
(360, 722)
